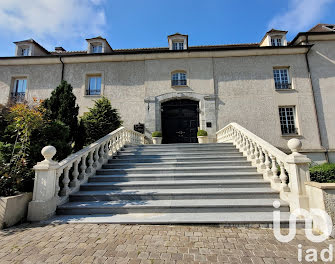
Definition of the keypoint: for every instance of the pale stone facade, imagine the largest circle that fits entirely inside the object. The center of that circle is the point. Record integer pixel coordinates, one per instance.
(232, 83)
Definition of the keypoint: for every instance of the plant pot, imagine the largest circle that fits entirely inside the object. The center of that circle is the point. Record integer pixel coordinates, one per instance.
(13, 209)
(203, 139)
(157, 140)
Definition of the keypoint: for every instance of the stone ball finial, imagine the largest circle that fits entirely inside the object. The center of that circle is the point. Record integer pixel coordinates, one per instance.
(294, 144)
(48, 152)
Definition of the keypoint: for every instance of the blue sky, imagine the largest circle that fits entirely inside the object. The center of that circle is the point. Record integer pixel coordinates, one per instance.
(146, 23)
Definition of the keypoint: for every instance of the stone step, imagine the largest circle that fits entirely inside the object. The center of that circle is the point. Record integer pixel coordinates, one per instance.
(195, 170)
(127, 155)
(180, 145)
(180, 148)
(173, 184)
(155, 159)
(178, 164)
(203, 151)
(245, 219)
(174, 194)
(170, 206)
(176, 176)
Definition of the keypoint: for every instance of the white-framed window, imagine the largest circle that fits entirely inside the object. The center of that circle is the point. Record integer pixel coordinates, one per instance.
(178, 78)
(287, 120)
(276, 42)
(19, 91)
(282, 78)
(177, 45)
(97, 48)
(24, 51)
(93, 85)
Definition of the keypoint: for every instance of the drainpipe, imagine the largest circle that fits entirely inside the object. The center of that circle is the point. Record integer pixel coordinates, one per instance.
(315, 109)
(60, 58)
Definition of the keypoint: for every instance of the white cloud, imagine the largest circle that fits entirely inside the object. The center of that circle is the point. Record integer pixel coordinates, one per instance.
(52, 20)
(301, 15)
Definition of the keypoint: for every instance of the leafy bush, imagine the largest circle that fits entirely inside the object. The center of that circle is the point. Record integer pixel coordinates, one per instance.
(54, 133)
(100, 120)
(156, 134)
(16, 177)
(3, 120)
(202, 133)
(323, 173)
(26, 134)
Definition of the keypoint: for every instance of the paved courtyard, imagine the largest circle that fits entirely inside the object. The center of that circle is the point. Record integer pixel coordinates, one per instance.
(101, 243)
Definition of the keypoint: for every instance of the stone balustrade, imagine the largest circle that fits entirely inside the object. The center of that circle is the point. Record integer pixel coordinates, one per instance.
(55, 181)
(286, 173)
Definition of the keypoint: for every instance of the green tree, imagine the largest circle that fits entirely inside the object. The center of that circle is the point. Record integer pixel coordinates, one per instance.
(100, 120)
(62, 106)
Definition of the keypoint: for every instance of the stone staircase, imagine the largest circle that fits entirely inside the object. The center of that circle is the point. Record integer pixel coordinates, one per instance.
(176, 183)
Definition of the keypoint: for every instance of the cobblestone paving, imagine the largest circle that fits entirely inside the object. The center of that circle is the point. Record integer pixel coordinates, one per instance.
(100, 243)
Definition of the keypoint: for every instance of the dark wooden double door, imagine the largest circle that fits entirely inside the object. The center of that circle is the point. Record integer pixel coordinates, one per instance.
(180, 121)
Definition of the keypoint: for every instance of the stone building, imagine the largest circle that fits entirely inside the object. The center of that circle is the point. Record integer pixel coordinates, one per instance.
(275, 88)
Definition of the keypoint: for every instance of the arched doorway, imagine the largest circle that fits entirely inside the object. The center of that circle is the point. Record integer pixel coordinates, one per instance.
(180, 121)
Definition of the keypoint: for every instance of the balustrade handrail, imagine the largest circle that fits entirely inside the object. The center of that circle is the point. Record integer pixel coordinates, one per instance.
(261, 142)
(55, 181)
(89, 148)
(286, 173)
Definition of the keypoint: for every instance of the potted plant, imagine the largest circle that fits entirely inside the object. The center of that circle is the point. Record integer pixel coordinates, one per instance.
(202, 136)
(157, 137)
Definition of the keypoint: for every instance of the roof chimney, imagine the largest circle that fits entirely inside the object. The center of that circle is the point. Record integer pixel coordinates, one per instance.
(59, 49)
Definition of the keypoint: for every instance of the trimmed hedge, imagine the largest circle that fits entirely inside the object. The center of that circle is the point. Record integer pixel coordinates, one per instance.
(156, 134)
(324, 173)
(202, 133)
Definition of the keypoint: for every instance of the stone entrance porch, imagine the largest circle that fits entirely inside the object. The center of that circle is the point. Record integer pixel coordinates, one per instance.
(153, 120)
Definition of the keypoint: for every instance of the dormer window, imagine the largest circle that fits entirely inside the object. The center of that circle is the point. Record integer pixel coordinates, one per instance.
(275, 38)
(25, 52)
(178, 42)
(276, 42)
(177, 45)
(97, 48)
(29, 47)
(98, 45)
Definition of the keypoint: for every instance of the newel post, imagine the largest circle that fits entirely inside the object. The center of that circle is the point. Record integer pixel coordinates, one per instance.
(44, 202)
(298, 170)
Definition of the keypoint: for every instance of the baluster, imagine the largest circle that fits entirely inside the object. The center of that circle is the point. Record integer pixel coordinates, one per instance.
(261, 157)
(240, 141)
(75, 175)
(267, 164)
(83, 167)
(90, 169)
(66, 190)
(252, 150)
(283, 178)
(114, 145)
(256, 153)
(102, 154)
(248, 147)
(96, 158)
(235, 137)
(57, 187)
(107, 149)
(125, 137)
(274, 169)
(244, 146)
(118, 141)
